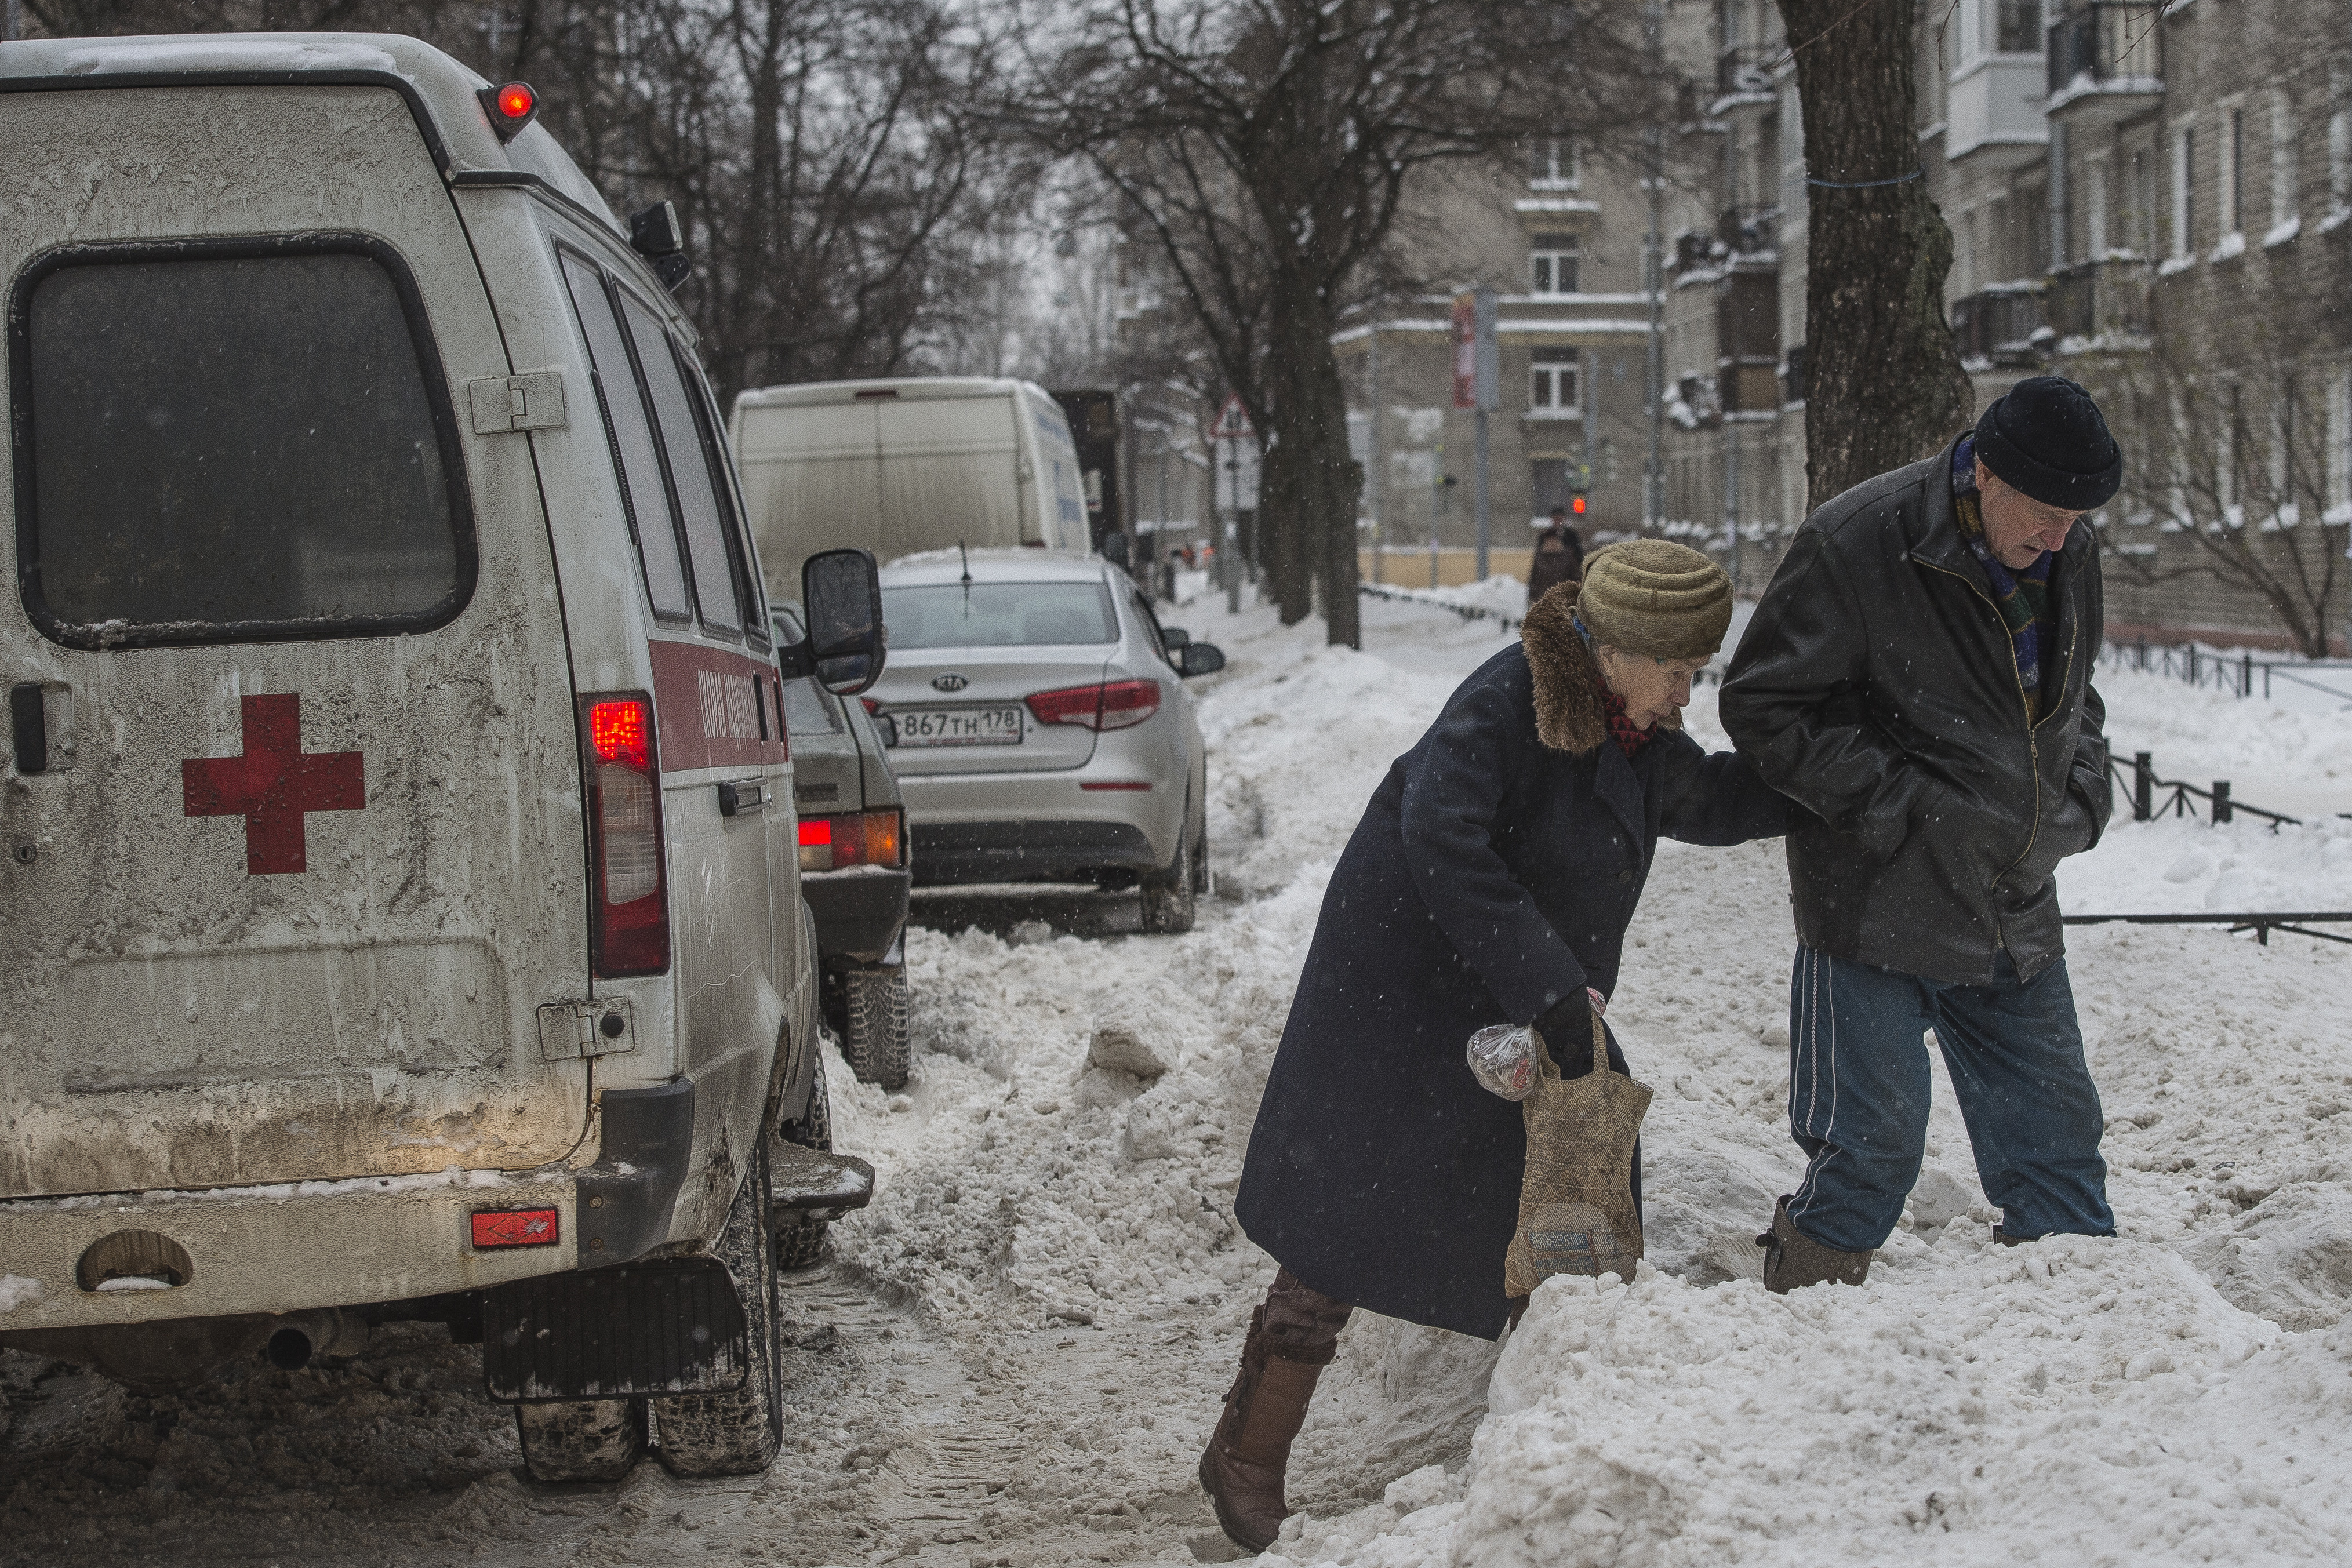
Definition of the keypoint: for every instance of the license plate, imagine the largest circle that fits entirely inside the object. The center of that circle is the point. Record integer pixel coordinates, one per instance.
(958, 727)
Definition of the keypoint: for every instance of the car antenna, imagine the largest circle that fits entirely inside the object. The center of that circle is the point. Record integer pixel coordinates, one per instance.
(966, 554)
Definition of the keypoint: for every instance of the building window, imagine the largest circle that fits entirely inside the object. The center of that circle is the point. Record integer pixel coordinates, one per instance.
(1556, 382)
(2095, 207)
(2139, 193)
(1551, 265)
(2233, 175)
(1551, 163)
(2336, 448)
(2017, 26)
(2285, 166)
(2339, 150)
(2184, 207)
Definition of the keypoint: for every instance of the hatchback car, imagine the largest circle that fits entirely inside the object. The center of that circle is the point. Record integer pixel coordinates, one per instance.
(853, 859)
(1039, 728)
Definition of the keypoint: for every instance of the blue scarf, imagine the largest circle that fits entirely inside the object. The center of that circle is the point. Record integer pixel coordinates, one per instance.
(2023, 597)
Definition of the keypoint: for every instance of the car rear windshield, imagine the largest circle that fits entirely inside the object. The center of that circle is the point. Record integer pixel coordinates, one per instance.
(227, 447)
(999, 615)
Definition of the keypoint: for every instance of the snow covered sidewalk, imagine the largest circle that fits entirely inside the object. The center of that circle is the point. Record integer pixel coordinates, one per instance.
(1067, 1155)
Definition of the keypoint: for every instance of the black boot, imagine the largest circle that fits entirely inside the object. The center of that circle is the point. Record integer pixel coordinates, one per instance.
(1794, 1259)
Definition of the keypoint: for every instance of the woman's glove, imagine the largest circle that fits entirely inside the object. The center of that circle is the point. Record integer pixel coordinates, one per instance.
(1566, 1029)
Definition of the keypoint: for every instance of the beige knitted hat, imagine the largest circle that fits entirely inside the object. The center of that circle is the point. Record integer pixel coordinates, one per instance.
(1655, 597)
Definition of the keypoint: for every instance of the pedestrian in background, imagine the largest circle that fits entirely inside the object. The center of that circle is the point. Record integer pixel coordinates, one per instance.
(1559, 558)
(1917, 677)
(1491, 879)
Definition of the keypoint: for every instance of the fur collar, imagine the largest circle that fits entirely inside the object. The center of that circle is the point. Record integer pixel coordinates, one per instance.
(1568, 716)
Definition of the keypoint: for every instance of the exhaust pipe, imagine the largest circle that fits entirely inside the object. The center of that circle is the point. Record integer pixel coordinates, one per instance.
(295, 1338)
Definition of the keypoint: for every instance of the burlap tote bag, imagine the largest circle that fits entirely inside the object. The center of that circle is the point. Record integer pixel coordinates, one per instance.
(1576, 1203)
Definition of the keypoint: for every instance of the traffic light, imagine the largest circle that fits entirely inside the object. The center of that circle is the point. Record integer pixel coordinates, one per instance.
(1579, 481)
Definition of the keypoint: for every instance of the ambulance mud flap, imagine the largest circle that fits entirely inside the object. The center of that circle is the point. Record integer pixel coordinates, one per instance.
(670, 1326)
(626, 1198)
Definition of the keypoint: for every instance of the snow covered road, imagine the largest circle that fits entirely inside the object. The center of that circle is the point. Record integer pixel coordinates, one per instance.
(1020, 1347)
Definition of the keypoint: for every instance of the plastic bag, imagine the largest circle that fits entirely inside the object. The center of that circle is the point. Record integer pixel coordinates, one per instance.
(1503, 1057)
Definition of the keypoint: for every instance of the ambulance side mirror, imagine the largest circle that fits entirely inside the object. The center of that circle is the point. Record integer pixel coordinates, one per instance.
(841, 595)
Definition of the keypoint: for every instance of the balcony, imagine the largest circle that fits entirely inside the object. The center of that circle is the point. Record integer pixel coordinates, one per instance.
(2107, 63)
(1993, 113)
(1742, 81)
(1749, 233)
(2098, 305)
(1997, 328)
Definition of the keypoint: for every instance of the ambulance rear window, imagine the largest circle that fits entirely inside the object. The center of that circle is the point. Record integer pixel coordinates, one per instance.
(233, 443)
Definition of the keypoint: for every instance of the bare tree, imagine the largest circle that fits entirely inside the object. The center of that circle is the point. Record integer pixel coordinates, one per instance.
(1267, 149)
(2236, 462)
(1885, 385)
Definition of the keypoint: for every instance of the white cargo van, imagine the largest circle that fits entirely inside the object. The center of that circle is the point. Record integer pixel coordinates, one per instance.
(913, 464)
(397, 863)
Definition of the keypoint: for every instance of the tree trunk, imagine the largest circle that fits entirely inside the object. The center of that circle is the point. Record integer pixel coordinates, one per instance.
(1312, 480)
(1885, 385)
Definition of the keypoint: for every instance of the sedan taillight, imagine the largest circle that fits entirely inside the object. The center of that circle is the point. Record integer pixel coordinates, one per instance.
(862, 838)
(1111, 704)
(631, 917)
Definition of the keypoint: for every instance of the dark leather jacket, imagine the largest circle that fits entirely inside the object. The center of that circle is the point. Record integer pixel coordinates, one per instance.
(1876, 687)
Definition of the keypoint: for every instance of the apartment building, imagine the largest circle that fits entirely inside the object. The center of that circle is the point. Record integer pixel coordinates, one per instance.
(2153, 199)
(1559, 237)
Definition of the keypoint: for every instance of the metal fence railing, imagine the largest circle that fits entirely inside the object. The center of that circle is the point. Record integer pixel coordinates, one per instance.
(2237, 675)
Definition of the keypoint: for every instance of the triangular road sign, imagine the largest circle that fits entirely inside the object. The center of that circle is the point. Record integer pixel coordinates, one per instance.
(1234, 421)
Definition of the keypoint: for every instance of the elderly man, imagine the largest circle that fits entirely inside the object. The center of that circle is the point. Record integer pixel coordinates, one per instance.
(1918, 677)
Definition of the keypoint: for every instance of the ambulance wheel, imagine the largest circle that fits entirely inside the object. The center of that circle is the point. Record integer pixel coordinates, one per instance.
(581, 1439)
(736, 1433)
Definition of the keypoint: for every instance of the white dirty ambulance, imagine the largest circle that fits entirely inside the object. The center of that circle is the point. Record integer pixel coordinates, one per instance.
(398, 882)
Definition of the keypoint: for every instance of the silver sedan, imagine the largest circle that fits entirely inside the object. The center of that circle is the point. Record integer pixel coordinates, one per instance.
(1039, 728)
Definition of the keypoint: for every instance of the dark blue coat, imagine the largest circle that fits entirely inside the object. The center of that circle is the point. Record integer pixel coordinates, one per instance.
(1494, 873)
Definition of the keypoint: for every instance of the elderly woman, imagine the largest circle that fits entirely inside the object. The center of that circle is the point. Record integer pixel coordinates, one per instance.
(1492, 878)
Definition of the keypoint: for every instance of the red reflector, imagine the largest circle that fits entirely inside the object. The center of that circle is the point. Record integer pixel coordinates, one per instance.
(515, 100)
(515, 1228)
(1116, 784)
(617, 731)
(816, 830)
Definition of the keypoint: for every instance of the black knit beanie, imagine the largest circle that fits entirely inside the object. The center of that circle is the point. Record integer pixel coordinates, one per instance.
(2046, 438)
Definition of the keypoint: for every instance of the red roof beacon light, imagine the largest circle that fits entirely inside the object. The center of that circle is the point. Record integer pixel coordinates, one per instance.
(511, 107)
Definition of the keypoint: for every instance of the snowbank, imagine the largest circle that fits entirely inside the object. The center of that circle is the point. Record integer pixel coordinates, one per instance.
(1067, 1152)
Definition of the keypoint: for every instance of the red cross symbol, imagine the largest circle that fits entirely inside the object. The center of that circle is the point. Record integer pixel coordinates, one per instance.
(273, 784)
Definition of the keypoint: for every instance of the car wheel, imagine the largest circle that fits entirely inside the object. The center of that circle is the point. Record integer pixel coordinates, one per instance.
(876, 1040)
(1169, 896)
(581, 1439)
(800, 1240)
(736, 1433)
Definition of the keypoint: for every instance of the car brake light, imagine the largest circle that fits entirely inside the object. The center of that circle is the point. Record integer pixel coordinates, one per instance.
(631, 934)
(516, 1227)
(617, 730)
(864, 838)
(1113, 704)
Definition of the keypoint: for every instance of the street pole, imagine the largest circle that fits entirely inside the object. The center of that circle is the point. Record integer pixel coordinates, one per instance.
(1488, 365)
(1233, 530)
(1654, 473)
(1732, 496)
(1372, 450)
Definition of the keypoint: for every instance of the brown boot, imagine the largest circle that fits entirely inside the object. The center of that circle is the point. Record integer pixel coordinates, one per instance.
(1242, 1468)
(1794, 1259)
